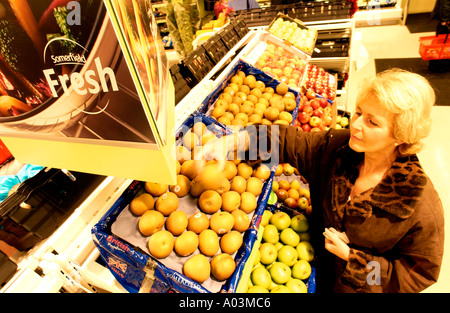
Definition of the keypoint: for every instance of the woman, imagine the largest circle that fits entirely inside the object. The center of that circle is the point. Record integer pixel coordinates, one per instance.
(383, 219)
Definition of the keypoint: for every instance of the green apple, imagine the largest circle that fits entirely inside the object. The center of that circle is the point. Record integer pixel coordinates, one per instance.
(281, 220)
(302, 203)
(289, 237)
(272, 198)
(305, 251)
(288, 255)
(280, 289)
(257, 265)
(257, 289)
(268, 253)
(301, 269)
(279, 245)
(299, 223)
(344, 121)
(273, 285)
(265, 217)
(261, 277)
(269, 265)
(280, 272)
(296, 286)
(271, 234)
(305, 236)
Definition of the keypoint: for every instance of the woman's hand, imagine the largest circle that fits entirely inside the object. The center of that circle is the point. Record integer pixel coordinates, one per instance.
(220, 148)
(337, 243)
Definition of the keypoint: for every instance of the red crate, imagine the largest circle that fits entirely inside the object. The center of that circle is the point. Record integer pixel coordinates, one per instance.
(434, 47)
(4, 153)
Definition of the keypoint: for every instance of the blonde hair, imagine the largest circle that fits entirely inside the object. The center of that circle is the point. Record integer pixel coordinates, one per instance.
(410, 98)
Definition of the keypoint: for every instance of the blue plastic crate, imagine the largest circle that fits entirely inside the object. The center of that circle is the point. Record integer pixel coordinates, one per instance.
(129, 264)
(248, 69)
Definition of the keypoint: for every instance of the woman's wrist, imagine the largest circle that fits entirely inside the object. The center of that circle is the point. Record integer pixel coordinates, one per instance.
(243, 140)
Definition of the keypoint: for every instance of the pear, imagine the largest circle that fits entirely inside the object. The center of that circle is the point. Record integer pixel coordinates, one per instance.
(191, 168)
(211, 178)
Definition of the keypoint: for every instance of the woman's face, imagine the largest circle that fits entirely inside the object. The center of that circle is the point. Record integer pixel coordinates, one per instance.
(370, 128)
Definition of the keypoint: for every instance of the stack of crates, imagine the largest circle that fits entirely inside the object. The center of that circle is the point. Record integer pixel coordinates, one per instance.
(215, 48)
(240, 26)
(194, 67)
(182, 81)
(229, 37)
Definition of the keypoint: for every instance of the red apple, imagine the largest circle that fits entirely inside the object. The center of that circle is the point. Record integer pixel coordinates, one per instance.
(282, 195)
(303, 117)
(310, 94)
(308, 109)
(318, 112)
(304, 100)
(290, 202)
(306, 127)
(314, 103)
(297, 123)
(315, 121)
(323, 102)
(326, 120)
(331, 95)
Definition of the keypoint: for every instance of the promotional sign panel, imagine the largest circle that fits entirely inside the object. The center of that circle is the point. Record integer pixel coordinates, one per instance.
(84, 85)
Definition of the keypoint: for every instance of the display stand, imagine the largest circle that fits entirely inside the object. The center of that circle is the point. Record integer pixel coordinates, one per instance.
(376, 15)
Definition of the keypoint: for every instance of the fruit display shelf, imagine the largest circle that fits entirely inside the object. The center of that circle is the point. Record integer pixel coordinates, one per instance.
(246, 101)
(321, 82)
(128, 252)
(315, 112)
(278, 59)
(293, 31)
(282, 258)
